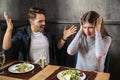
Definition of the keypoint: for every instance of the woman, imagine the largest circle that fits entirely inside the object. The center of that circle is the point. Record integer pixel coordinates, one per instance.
(92, 43)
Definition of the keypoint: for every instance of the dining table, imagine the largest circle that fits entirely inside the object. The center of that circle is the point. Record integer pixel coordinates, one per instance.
(49, 72)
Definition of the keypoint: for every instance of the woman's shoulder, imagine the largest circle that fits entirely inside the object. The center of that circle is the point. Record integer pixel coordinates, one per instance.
(108, 37)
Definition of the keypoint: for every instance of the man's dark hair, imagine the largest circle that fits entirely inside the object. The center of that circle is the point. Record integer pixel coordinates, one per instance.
(33, 11)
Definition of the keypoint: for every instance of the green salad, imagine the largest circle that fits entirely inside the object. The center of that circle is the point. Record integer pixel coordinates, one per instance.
(70, 75)
(23, 67)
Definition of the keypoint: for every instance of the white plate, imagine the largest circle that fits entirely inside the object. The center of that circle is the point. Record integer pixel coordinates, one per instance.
(13, 68)
(68, 76)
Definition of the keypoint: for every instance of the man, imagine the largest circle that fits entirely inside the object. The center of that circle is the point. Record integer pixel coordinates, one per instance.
(34, 42)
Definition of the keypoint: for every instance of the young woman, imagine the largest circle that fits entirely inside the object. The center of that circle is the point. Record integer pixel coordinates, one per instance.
(92, 43)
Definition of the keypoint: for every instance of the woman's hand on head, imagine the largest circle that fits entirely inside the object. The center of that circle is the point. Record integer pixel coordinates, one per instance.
(98, 23)
(68, 32)
(8, 21)
(80, 24)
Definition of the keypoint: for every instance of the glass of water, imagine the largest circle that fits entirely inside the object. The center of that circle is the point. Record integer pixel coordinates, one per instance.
(42, 62)
(2, 61)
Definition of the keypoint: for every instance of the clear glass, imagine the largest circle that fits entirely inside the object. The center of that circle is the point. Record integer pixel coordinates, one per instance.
(2, 61)
(42, 63)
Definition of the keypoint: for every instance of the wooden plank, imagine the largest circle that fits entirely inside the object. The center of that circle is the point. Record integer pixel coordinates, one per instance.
(102, 76)
(43, 74)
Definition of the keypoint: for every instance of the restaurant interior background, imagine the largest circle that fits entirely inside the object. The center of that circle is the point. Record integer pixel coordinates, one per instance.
(66, 12)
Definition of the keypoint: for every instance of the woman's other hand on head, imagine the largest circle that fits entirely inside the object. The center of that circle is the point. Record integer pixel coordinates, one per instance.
(80, 21)
(98, 23)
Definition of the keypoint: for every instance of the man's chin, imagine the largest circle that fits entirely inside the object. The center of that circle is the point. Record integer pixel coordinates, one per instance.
(42, 30)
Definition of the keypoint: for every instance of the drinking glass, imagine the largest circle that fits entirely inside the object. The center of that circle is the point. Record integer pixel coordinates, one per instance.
(2, 61)
(42, 63)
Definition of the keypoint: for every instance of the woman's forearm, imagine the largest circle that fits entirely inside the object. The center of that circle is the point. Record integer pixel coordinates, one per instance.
(74, 44)
(101, 45)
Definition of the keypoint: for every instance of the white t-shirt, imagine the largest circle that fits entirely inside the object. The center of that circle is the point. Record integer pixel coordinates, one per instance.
(39, 47)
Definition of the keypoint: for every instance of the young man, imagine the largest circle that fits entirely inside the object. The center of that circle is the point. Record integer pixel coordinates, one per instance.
(34, 42)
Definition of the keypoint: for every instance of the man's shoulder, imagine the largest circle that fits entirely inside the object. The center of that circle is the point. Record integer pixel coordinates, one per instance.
(23, 32)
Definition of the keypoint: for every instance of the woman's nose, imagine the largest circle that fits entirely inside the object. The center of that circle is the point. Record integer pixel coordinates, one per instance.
(87, 30)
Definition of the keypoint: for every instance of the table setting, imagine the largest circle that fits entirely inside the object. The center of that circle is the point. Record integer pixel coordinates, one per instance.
(19, 70)
(83, 75)
(32, 71)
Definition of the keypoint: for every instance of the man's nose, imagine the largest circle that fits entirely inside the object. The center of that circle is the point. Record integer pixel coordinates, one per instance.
(43, 22)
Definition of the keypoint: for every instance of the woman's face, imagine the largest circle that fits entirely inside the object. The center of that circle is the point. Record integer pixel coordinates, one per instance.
(89, 29)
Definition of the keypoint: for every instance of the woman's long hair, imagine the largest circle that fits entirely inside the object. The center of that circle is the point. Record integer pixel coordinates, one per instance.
(92, 17)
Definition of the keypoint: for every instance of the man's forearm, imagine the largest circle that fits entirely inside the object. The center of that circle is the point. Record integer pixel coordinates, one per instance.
(7, 41)
(61, 43)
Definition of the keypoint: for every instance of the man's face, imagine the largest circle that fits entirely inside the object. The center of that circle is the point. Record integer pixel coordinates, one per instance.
(38, 24)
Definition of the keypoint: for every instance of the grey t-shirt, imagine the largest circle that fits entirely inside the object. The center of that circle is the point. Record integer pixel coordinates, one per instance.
(91, 51)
